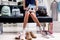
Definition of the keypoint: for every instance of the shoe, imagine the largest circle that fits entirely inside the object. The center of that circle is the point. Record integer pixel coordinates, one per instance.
(17, 37)
(32, 35)
(39, 29)
(43, 33)
(22, 36)
(28, 36)
(51, 35)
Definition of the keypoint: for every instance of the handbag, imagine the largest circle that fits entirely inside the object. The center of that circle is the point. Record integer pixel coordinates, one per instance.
(42, 11)
(16, 12)
(6, 11)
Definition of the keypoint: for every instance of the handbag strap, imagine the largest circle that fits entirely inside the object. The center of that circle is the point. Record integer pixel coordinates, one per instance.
(14, 7)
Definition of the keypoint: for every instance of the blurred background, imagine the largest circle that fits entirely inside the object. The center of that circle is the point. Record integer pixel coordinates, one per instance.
(14, 28)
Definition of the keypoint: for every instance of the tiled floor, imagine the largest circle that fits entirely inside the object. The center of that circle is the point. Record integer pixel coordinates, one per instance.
(10, 36)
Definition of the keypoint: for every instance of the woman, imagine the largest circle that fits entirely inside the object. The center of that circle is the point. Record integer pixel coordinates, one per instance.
(30, 7)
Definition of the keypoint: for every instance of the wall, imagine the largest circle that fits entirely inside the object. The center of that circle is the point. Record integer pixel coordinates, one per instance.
(50, 1)
(0, 1)
(6, 2)
(58, 12)
(46, 3)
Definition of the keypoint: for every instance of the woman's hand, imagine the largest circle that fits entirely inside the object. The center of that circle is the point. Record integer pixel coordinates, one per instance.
(25, 8)
(36, 9)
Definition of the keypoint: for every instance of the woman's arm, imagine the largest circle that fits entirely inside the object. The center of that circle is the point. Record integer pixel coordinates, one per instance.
(23, 4)
(36, 4)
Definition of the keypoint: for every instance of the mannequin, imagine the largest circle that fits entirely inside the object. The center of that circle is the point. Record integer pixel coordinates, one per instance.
(54, 10)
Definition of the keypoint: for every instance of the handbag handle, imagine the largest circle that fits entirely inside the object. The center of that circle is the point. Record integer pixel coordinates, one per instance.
(15, 7)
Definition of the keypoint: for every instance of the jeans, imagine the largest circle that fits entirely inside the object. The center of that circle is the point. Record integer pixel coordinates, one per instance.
(31, 7)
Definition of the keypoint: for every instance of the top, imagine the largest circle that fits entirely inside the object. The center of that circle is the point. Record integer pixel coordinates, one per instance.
(27, 2)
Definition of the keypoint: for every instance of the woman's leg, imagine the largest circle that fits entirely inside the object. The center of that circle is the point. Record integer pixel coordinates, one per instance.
(24, 25)
(33, 15)
(25, 19)
(50, 29)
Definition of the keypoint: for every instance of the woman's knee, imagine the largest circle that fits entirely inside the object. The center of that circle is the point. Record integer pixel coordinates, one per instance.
(33, 14)
(26, 14)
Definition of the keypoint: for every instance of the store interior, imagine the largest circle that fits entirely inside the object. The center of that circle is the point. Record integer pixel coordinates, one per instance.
(8, 31)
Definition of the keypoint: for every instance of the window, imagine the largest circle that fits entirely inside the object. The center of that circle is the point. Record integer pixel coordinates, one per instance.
(12, 0)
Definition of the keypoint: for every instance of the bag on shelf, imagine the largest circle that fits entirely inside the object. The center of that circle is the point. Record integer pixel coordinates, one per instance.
(42, 11)
(16, 12)
(5, 11)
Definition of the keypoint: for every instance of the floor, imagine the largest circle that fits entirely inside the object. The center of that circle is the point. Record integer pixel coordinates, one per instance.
(11, 36)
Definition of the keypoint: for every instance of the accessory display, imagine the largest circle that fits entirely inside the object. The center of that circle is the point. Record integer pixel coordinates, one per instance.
(5, 11)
